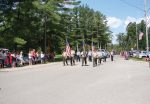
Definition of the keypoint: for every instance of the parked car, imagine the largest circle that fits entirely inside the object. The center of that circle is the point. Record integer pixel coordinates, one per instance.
(5, 50)
(135, 53)
(148, 54)
(142, 54)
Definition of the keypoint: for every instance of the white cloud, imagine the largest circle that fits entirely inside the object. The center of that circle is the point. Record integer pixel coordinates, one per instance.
(148, 21)
(114, 40)
(114, 22)
(132, 19)
(137, 20)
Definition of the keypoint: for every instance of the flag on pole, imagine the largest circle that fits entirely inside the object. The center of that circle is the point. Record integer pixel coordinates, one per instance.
(68, 49)
(141, 35)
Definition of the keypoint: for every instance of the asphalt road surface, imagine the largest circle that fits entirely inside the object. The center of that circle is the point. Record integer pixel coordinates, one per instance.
(118, 82)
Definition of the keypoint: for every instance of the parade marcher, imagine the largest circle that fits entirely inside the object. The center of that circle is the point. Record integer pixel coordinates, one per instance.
(72, 57)
(78, 56)
(95, 55)
(90, 55)
(64, 56)
(84, 57)
(104, 56)
(99, 53)
(112, 55)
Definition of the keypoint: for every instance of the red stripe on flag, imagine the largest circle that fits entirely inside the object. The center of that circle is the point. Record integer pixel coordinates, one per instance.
(68, 50)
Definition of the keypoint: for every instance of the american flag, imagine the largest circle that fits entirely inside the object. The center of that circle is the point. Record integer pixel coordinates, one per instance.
(141, 35)
(68, 49)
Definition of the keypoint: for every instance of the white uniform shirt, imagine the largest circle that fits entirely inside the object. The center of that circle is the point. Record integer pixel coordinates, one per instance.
(94, 54)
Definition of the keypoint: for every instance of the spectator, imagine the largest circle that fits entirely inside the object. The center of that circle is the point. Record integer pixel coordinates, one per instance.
(30, 57)
(42, 57)
(78, 56)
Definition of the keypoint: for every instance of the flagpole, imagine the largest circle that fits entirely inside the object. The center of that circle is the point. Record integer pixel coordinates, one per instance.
(83, 43)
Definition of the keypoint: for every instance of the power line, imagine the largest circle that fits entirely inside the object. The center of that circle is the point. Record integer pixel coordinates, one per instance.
(131, 5)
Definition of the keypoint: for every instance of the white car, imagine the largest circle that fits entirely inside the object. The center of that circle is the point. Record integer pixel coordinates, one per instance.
(142, 54)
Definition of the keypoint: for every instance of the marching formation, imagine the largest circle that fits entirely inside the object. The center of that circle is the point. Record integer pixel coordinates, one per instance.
(96, 56)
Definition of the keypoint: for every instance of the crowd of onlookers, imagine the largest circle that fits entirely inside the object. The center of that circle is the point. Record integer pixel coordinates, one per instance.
(136, 54)
(17, 59)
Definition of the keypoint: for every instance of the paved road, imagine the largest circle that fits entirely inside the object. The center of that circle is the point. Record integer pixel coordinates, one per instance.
(118, 82)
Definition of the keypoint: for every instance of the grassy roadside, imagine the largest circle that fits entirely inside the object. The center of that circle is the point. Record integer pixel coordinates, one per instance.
(58, 58)
(138, 59)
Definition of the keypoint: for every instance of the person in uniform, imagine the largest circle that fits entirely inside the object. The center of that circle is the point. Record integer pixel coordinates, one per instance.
(99, 54)
(104, 56)
(84, 57)
(95, 55)
(72, 57)
(64, 57)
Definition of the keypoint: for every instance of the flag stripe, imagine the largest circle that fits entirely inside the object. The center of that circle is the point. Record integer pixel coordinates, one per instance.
(141, 35)
(68, 49)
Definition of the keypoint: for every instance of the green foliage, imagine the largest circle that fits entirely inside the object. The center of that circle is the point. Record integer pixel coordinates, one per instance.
(34, 24)
(19, 41)
(129, 40)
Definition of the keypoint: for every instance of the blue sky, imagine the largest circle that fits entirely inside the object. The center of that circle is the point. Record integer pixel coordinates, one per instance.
(118, 13)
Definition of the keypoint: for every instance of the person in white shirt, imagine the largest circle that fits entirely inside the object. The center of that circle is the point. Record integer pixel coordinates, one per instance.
(112, 55)
(30, 57)
(90, 55)
(94, 54)
(72, 59)
(78, 56)
(42, 57)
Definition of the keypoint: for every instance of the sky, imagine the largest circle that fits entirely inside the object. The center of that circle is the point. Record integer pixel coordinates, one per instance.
(119, 12)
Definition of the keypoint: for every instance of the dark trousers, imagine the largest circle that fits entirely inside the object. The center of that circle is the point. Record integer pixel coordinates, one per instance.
(94, 61)
(72, 61)
(78, 58)
(104, 59)
(99, 60)
(65, 61)
(2, 63)
(84, 61)
(90, 58)
(112, 58)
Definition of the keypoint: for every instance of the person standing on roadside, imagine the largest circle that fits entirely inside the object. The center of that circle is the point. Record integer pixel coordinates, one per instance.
(2, 58)
(30, 57)
(112, 55)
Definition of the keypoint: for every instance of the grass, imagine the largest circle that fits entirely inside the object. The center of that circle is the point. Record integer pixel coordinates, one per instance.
(138, 59)
(58, 58)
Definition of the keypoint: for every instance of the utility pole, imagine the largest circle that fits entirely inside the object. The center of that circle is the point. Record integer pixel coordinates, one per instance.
(145, 10)
(45, 28)
(137, 37)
